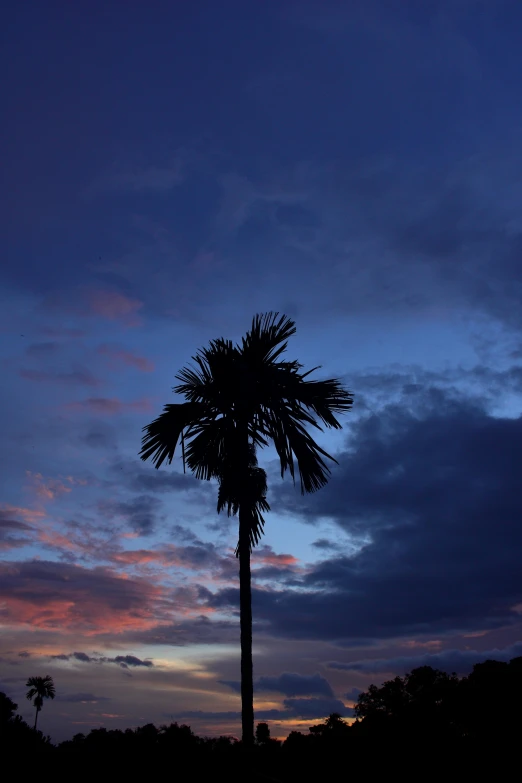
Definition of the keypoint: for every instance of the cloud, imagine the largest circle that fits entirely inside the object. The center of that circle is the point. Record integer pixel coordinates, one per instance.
(42, 350)
(122, 660)
(13, 532)
(49, 488)
(142, 513)
(56, 596)
(288, 683)
(196, 557)
(75, 377)
(459, 661)
(115, 306)
(307, 709)
(81, 698)
(325, 544)
(142, 477)
(121, 356)
(435, 493)
(105, 406)
(266, 556)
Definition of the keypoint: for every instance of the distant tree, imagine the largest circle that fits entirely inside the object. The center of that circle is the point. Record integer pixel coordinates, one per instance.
(7, 708)
(262, 734)
(40, 688)
(239, 398)
(423, 702)
(176, 736)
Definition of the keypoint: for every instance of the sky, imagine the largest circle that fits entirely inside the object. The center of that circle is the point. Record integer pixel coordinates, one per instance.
(171, 169)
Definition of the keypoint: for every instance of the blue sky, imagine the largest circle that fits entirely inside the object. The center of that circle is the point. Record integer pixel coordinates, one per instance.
(172, 169)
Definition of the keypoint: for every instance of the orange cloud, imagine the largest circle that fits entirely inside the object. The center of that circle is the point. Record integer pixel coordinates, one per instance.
(126, 357)
(115, 306)
(109, 406)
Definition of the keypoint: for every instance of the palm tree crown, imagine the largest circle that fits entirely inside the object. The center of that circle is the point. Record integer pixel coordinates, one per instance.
(40, 688)
(242, 390)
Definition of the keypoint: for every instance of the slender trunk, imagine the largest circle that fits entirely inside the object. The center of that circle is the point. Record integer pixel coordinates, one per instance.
(245, 612)
(36, 717)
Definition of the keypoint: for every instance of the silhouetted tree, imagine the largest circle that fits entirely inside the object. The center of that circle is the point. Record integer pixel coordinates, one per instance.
(262, 733)
(238, 398)
(423, 702)
(7, 708)
(40, 688)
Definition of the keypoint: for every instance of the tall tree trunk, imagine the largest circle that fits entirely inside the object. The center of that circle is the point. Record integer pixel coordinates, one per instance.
(36, 717)
(245, 612)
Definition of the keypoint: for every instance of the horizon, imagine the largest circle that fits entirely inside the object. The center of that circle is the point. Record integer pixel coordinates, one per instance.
(170, 172)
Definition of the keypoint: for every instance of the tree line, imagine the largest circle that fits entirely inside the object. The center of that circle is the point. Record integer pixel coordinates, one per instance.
(426, 709)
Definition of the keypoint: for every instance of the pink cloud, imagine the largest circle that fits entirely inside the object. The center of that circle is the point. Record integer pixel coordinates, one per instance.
(109, 406)
(51, 488)
(265, 556)
(65, 597)
(115, 306)
(80, 377)
(27, 514)
(126, 357)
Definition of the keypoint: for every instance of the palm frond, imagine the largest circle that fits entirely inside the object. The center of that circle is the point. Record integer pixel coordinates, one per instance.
(162, 435)
(40, 688)
(208, 381)
(291, 440)
(267, 338)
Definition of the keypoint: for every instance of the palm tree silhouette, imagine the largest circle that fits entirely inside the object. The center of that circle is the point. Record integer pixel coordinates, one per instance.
(40, 688)
(238, 398)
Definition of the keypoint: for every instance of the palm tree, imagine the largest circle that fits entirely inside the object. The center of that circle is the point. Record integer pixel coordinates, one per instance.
(238, 398)
(40, 688)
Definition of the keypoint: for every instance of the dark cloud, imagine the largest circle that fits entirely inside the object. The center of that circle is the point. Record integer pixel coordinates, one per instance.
(459, 661)
(307, 709)
(200, 630)
(436, 492)
(99, 436)
(42, 350)
(288, 683)
(51, 595)
(122, 660)
(13, 532)
(143, 477)
(316, 708)
(81, 698)
(130, 660)
(325, 544)
(142, 513)
(74, 377)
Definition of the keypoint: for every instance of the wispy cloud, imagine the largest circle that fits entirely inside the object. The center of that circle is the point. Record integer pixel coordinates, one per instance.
(122, 660)
(109, 406)
(115, 306)
(121, 356)
(74, 377)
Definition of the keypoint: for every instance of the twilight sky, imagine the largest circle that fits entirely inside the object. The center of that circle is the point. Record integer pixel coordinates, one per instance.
(170, 169)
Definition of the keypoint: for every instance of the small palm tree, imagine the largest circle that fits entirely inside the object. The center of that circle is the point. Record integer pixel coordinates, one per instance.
(238, 398)
(40, 688)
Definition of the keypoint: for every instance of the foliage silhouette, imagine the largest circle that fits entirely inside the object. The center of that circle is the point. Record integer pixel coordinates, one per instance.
(40, 688)
(454, 724)
(238, 398)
